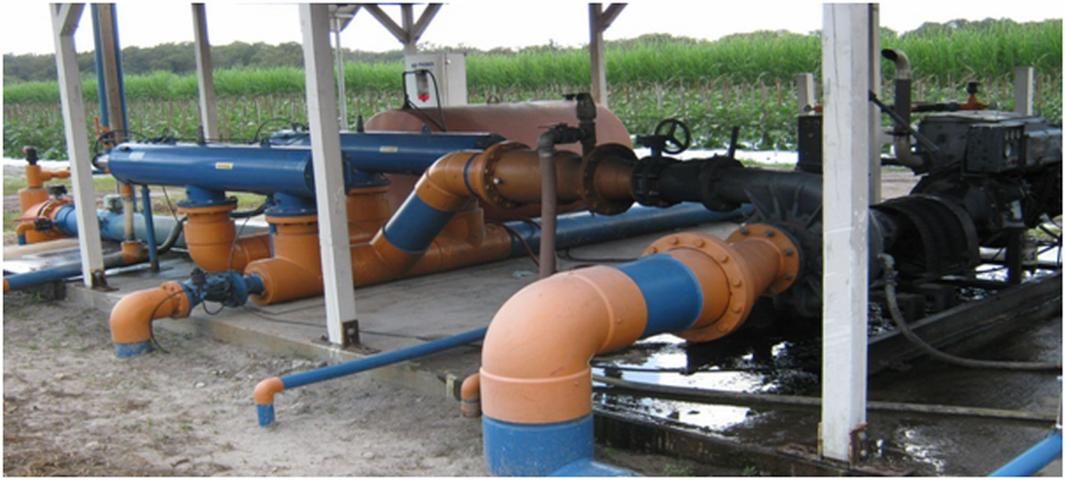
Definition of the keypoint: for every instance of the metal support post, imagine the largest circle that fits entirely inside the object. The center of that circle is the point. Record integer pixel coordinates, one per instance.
(328, 175)
(845, 59)
(64, 23)
(205, 73)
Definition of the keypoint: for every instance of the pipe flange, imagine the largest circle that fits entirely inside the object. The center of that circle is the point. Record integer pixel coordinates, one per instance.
(790, 259)
(486, 164)
(292, 219)
(596, 203)
(192, 209)
(740, 282)
(645, 181)
(708, 175)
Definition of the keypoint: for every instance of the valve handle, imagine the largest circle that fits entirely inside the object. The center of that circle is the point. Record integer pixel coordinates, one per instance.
(667, 129)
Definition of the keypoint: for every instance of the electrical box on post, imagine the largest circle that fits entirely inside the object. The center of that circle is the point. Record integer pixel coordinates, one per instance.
(442, 74)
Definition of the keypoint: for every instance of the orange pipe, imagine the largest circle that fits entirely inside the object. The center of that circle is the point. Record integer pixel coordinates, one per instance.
(210, 236)
(267, 389)
(132, 316)
(470, 396)
(535, 359)
(34, 191)
(47, 208)
(295, 270)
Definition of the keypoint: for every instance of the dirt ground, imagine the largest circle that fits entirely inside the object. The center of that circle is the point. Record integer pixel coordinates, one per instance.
(72, 408)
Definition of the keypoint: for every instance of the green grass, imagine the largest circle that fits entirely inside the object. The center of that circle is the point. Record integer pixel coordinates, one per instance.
(741, 80)
(977, 50)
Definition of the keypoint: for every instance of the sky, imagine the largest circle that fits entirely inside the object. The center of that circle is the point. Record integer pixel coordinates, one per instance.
(25, 26)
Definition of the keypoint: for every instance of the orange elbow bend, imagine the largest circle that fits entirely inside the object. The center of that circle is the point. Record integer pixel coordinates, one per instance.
(132, 316)
(534, 363)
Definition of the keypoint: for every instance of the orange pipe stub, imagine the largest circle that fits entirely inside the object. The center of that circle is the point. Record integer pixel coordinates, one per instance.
(535, 356)
(470, 396)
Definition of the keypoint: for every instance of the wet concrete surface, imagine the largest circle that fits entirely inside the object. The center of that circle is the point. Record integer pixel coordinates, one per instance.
(788, 362)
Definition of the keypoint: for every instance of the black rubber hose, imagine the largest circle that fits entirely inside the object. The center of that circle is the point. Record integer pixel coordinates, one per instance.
(896, 316)
(251, 213)
(172, 237)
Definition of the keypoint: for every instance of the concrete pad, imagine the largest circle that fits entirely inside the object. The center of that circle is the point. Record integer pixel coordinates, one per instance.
(391, 316)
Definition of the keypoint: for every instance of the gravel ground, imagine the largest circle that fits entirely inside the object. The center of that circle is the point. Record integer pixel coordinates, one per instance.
(72, 408)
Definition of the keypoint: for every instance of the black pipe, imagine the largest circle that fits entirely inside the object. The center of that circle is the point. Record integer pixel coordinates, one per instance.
(719, 183)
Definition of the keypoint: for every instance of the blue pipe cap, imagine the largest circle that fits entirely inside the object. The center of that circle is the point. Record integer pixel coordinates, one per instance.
(127, 350)
(266, 414)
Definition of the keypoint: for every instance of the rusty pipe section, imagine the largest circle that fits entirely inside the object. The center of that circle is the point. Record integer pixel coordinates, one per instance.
(535, 380)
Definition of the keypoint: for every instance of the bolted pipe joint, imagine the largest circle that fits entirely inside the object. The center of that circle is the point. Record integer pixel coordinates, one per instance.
(535, 377)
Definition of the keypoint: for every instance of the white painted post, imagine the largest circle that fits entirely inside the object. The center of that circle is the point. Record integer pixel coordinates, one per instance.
(804, 85)
(64, 23)
(845, 46)
(204, 73)
(1024, 90)
(410, 44)
(328, 174)
(875, 134)
(597, 55)
(341, 87)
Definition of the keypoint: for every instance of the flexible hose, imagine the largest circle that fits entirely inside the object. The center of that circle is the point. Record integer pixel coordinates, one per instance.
(897, 318)
(172, 237)
(251, 213)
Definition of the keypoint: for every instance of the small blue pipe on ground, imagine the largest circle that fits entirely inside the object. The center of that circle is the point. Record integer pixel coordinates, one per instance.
(266, 412)
(1034, 459)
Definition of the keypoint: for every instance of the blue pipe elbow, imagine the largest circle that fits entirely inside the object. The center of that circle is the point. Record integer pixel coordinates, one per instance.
(1034, 459)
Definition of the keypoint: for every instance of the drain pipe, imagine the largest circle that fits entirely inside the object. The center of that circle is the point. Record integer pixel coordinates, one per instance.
(903, 106)
(535, 377)
(131, 253)
(267, 389)
(545, 149)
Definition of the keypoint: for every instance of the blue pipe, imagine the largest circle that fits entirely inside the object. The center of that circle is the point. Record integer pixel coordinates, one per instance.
(295, 380)
(284, 167)
(1034, 459)
(56, 273)
(583, 228)
(559, 449)
(396, 152)
(112, 224)
(674, 300)
(19, 281)
(101, 90)
(118, 68)
(149, 228)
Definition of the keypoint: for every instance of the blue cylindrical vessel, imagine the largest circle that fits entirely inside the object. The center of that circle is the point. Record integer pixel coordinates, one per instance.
(222, 168)
(396, 152)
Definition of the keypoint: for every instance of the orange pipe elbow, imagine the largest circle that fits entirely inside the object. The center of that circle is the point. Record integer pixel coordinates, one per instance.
(470, 396)
(211, 238)
(132, 316)
(535, 356)
(267, 389)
